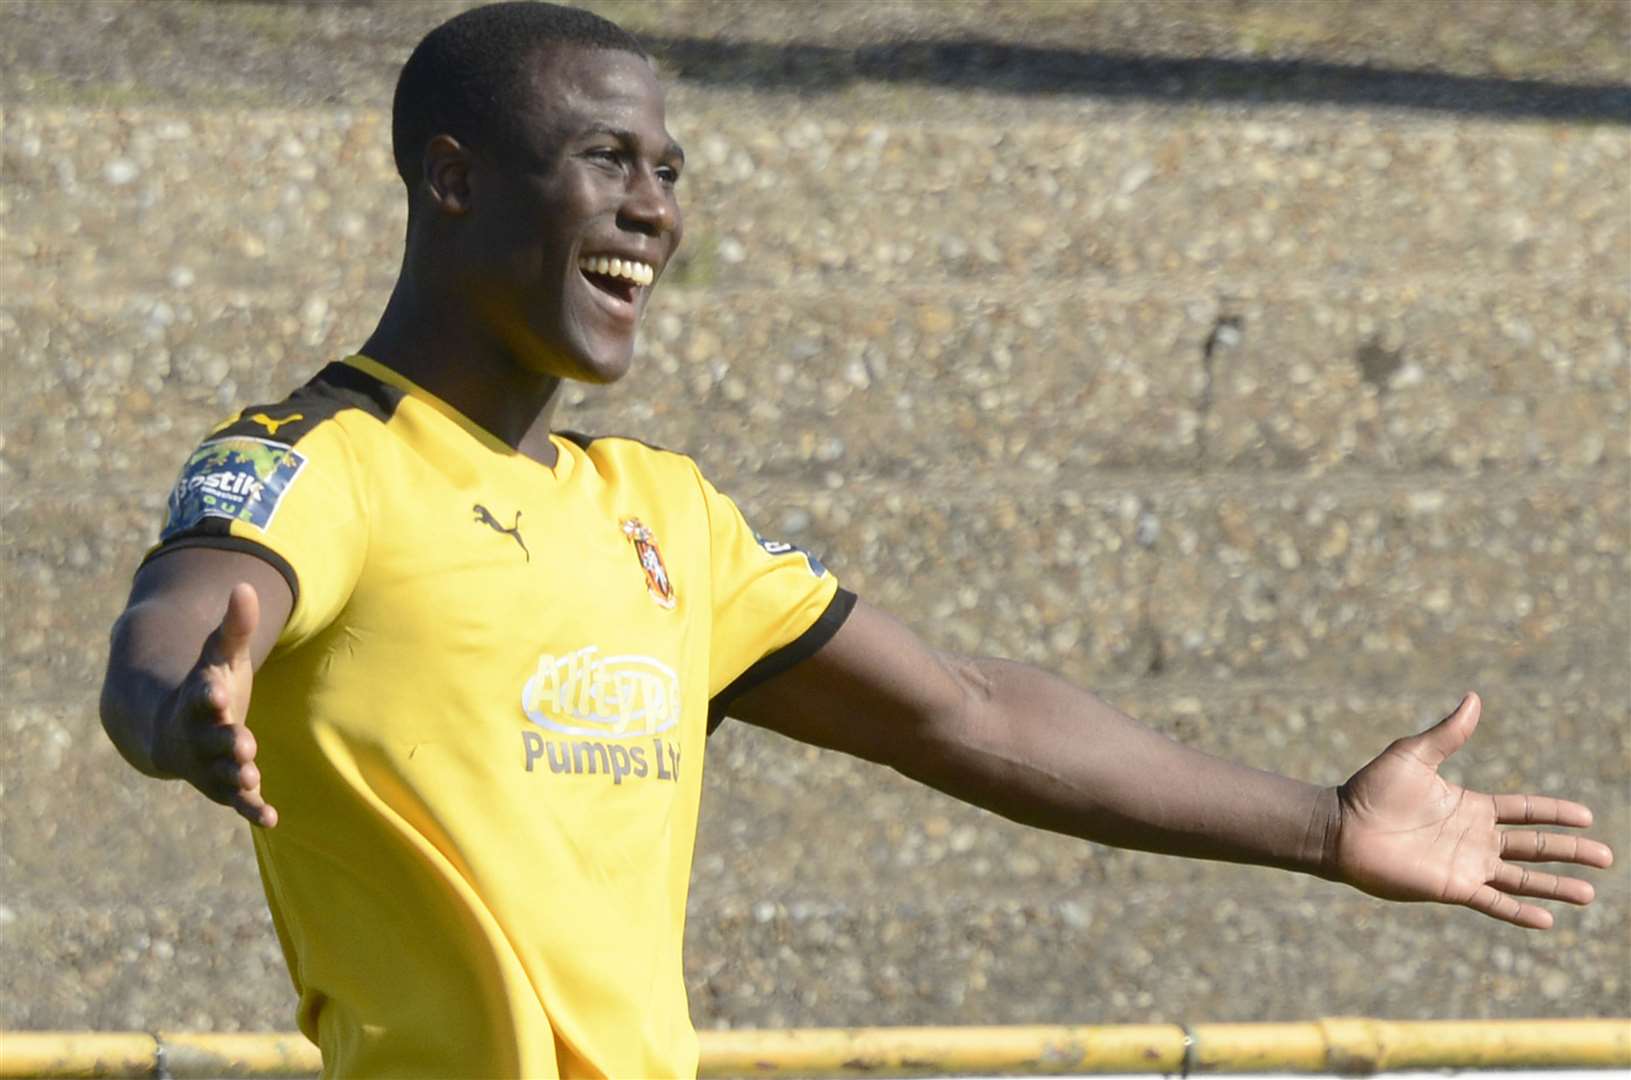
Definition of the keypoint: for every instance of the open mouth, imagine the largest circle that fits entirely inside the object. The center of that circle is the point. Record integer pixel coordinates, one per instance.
(621, 279)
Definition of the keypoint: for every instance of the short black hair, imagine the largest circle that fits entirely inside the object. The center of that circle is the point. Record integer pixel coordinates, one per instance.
(468, 77)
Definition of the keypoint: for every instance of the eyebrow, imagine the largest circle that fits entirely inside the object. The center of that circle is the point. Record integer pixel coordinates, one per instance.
(672, 150)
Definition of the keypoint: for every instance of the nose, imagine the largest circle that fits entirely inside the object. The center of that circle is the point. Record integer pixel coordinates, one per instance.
(649, 206)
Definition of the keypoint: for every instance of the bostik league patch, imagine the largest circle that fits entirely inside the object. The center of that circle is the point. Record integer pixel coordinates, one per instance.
(782, 547)
(239, 478)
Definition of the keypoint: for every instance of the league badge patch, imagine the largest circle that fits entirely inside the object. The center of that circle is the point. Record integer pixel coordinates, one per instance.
(239, 478)
(658, 583)
(782, 547)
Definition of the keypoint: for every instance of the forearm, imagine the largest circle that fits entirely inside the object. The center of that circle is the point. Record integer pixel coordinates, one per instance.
(145, 671)
(1043, 752)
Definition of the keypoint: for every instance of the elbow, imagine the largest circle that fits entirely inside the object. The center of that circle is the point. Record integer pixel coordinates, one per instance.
(117, 675)
(114, 704)
(976, 684)
(113, 719)
(108, 701)
(964, 714)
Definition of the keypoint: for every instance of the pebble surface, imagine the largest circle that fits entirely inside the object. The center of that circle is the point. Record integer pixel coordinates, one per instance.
(1280, 425)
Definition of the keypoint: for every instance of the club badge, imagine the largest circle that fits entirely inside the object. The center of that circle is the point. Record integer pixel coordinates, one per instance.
(651, 561)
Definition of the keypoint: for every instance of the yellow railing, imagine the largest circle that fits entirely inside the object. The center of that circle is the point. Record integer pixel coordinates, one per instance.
(1342, 1046)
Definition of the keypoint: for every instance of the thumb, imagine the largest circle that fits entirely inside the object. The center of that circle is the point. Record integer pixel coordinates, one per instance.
(1449, 734)
(231, 639)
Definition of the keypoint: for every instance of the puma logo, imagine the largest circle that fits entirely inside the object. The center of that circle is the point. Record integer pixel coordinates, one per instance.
(485, 516)
(271, 425)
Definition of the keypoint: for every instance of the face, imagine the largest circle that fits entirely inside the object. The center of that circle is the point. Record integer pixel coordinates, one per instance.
(563, 240)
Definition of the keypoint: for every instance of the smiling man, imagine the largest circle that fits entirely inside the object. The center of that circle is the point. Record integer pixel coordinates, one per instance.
(467, 663)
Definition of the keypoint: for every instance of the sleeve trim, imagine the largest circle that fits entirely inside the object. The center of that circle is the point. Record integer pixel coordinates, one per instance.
(232, 543)
(794, 652)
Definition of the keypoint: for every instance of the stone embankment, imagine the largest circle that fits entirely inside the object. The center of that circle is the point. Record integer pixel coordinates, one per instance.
(1281, 424)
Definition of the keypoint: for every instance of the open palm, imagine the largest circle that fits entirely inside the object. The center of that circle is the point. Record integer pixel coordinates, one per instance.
(1405, 833)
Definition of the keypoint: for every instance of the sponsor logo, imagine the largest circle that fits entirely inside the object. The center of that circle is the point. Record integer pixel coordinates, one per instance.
(611, 697)
(485, 517)
(657, 760)
(658, 583)
(271, 425)
(782, 547)
(238, 478)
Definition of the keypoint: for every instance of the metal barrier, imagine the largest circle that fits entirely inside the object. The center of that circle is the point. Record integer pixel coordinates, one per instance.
(1345, 1046)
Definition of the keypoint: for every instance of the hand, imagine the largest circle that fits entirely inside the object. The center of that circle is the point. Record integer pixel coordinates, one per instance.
(1404, 833)
(203, 738)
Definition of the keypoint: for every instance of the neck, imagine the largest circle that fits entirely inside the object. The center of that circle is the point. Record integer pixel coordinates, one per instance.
(434, 342)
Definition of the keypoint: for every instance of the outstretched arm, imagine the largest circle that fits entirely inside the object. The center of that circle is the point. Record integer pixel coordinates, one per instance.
(181, 667)
(1043, 752)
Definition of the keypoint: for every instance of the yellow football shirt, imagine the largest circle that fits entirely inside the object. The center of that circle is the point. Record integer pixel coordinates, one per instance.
(483, 725)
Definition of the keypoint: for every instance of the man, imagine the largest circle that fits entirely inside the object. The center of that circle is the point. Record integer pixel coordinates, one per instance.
(467, 663)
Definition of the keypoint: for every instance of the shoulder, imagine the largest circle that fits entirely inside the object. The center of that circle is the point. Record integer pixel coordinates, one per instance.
(330, 420)
(338, 393)
(625, 457)
(314, 441)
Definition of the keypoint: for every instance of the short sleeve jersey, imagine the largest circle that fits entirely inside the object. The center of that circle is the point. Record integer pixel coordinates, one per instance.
(483, 724)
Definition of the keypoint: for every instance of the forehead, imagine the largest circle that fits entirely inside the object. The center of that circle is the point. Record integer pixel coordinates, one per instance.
(575, 86)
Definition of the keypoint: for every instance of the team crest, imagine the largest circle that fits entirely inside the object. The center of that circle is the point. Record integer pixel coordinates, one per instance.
(658, 583)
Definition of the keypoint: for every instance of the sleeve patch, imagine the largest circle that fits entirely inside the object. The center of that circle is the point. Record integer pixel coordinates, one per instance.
(782, 547)
(239, 478)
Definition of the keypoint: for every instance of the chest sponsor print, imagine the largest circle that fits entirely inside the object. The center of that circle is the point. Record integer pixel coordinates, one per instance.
(616, 760)
(615, 697)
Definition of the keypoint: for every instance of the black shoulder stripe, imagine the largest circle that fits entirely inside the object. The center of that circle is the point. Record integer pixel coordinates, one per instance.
(794, 652)
(333, 390)
(350, 388)
(583, 441)
(214, 532)
(287, 422)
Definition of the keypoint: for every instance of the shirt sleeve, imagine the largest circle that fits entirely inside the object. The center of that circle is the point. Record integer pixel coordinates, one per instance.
(774, 604)
(295, 500)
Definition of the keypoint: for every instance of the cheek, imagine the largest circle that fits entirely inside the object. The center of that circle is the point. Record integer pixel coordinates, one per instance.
(494, 254)
(526, 265)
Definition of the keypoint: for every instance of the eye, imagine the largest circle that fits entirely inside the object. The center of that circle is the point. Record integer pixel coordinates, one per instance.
(605, 155)
(668, 174)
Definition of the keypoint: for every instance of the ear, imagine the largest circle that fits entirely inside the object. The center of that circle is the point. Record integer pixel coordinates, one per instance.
(447, 174)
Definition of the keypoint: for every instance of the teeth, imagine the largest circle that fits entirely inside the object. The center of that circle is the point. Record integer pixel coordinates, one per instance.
(628, 269)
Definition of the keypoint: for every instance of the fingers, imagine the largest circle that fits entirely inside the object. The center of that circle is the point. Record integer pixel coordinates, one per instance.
(1447, 736)
(1540, 810)
(255, 809)
(1523, 845)
(1498, 905)
(230, 641)
(223, 751)
(232, 777)
(224, 778)
(225, 741)
(211, 698)
(236, 782)
(205, 739)
(1515, 880)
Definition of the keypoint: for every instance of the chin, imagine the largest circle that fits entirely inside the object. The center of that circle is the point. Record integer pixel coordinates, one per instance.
(603, 369)
(597, 363)
(601, 376)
